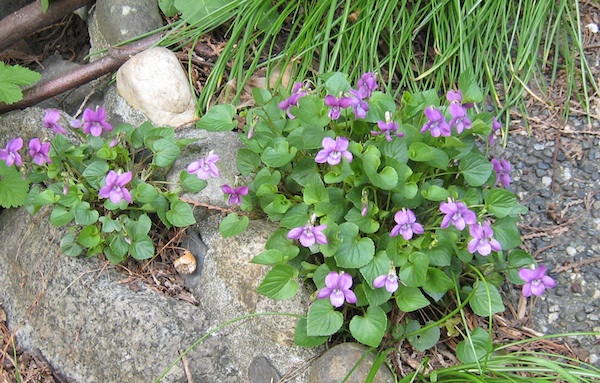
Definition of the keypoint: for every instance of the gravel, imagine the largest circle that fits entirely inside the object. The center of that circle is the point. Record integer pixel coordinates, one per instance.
(562, 191)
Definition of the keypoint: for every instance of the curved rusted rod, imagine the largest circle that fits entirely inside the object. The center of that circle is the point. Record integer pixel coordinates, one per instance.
(80, 76)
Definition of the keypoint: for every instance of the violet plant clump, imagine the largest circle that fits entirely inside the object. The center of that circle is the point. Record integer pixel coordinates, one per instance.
(108, 184)
(392, 209)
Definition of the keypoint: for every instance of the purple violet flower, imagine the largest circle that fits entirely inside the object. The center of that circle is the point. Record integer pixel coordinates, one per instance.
(309, 234)
(95, 122)
(114, 186)
(333, 151)
(336, 105)
(389, 280)
(359, 106)
(459, 117)
(454, 96)
(536, 280)
(205, 167)
(298, 91)
(482, 241)
(407, 224)
(337, 288)
(367, 84)
(502, 169)
(388, 127)
(457, 214)
(51, 119)
(39, 151)
(495, 128)
(10, 154)
(235, 195)
(436, 123)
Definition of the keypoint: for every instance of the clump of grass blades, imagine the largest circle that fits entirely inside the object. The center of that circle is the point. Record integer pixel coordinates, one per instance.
(514, 367)
(416, 45)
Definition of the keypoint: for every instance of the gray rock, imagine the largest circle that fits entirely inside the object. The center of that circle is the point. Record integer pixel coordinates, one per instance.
(262, 371)
(223, 144)
(154, 82)
(336, 363)
(121, 20)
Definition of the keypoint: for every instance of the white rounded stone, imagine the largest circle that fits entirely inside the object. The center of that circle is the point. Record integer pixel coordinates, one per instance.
(154, 82)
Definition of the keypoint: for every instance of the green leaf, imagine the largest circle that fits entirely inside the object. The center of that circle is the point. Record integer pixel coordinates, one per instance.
(119, 246)
(410, 299)
(311, 112)
(301, 337)
(315, 192)
(468, 86)
(354, 251)
(435, 193)
(379, 103)
(507, 232)
(47, 197)
(112, 257)
(95, 173)
(516, 259)
(13, 188)
(191, 183)
(370, 328)
(414, 272)
(474, 348)
(233, 225)
(486, 301)
(60, 215)
(142, 248)
(366, 224)
(375, 296)
(421, 152)
(180, 214)
(165, 152)
(146, 193)
(322, 319)
(476, 169)
(502, 203)
(69, 246)
(109, 225)
(84, 215)
(279, 283)
(385, 179)
(277, 207)
(280, 242)
(296, 216)
(437, 281)
(218, 118)
(422, 340)
(379, 265)
(12, 78)
(269, 257)
(89, 236)
(247, 160)
(336, 83)
(167, 7)
(279, 154)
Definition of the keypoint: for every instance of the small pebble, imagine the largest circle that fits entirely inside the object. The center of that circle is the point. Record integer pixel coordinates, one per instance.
(580, 316)
(571, 251)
